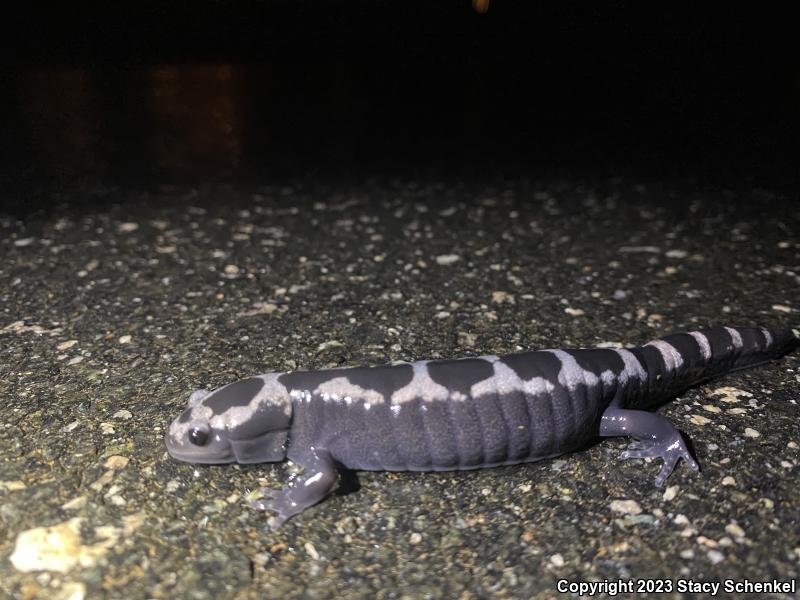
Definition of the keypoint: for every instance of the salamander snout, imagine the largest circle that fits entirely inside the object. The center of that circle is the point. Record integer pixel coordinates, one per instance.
(196, 441)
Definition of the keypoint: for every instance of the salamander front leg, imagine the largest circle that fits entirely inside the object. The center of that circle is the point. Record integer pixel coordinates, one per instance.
(653, 436)
(313, 485)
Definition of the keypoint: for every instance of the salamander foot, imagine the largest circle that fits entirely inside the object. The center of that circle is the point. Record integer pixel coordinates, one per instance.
(316, 482)
(670, 451)
(653, 435)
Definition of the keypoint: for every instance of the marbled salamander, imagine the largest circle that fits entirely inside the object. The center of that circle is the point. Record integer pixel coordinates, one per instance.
(465, 413)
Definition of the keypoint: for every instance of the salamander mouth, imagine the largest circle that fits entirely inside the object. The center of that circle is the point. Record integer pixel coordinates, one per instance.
(198, 454)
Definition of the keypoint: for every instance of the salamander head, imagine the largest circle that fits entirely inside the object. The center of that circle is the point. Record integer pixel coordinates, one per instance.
(246, 422)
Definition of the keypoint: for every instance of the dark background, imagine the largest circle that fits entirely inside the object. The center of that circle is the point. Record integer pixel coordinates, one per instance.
(137, 93)
(192, 193)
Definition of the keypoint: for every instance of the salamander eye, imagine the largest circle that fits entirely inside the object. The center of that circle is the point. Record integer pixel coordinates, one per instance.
(198, 435)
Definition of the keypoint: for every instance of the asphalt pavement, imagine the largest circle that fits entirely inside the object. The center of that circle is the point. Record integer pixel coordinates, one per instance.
(117, 302)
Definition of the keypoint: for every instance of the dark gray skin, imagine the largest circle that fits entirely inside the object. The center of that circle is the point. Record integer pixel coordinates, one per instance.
(460, 414)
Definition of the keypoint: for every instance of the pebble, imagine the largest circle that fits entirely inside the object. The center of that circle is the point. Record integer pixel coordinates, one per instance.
(260, 308)
(782, 308)
(75, 504)
(123, 414)
(20, 327)
(102, 481)
(527, 536)
(75, 360)
(751, 433)
(231, 270)
(311, 551)
(730, 394)
(676, 253)
(640, 520)
(627, 507)
(467, 339)
(608, 345)
(125, 339)
(71, 590)
(66, 345)
(670, 493)
(447, 259)
(13, 485)
(575, 312)
(728, 480)
(117, 500)
(715, 556)
(55, 548)
(701, 539)
(734, 530)
(127, 227)
(499, 297)
(60, 548)
(70, 426)
(557, 560)
(640, 249)
(415, 538)
(699, 420)
(328, 345)
(24, 242)
(116, 462)
(681, 519)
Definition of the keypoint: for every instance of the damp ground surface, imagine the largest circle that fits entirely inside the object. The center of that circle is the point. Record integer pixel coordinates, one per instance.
(115, 304)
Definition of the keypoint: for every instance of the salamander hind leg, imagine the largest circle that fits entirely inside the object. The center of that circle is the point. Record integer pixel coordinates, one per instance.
(653, 436)
(313, 485)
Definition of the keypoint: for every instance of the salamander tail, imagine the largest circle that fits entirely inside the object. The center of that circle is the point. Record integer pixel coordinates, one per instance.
(757, 349)
(682, 360)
